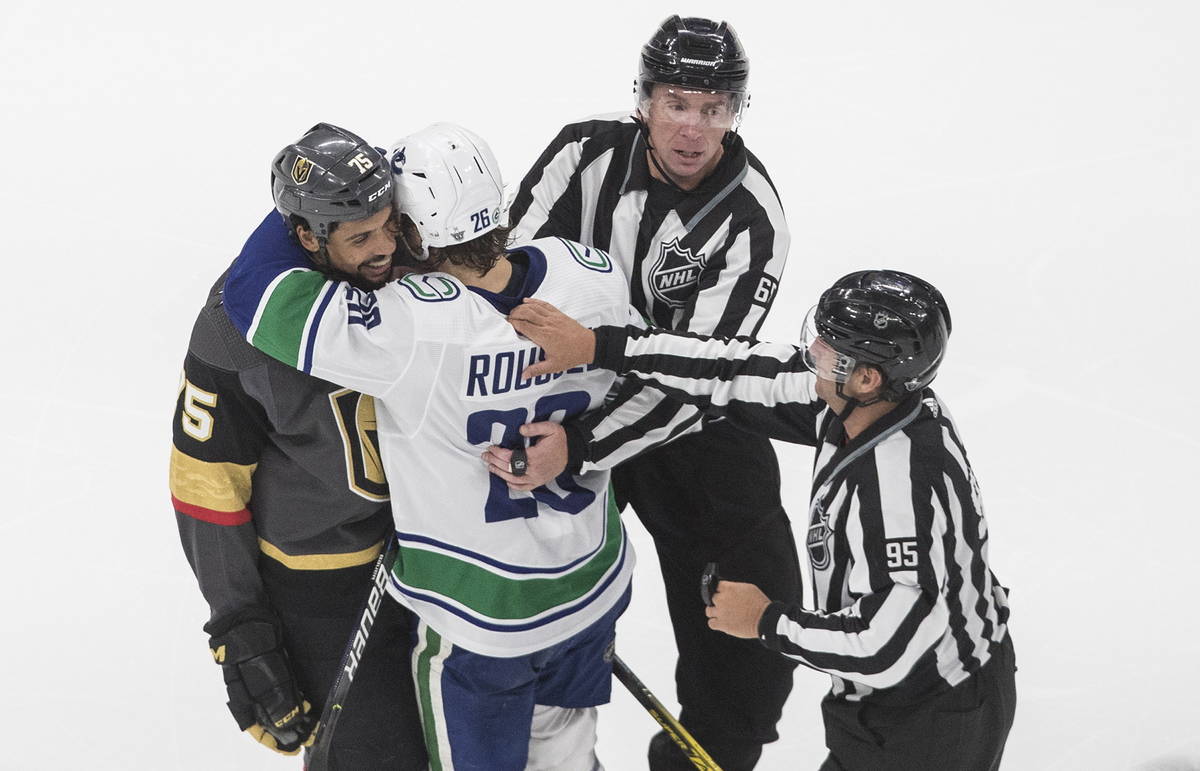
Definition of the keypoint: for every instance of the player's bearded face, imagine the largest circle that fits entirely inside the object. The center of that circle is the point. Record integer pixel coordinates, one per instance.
(361, 250)
(686, 130)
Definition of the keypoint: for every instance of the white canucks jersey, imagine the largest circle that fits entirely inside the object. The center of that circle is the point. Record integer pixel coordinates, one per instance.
(497, 572)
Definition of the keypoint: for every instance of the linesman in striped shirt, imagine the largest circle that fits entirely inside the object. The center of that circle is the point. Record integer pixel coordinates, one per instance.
(689, 214)
(907, 616)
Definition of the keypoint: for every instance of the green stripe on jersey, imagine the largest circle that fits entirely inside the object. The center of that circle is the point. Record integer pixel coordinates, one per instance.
(500, 597)
(280, 329)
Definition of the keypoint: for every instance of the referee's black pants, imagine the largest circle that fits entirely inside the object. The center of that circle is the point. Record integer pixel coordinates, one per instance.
(714, 497)
(961, 729)
(380, 728)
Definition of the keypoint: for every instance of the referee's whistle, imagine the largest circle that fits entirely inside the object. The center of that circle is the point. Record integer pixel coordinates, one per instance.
(708, 583)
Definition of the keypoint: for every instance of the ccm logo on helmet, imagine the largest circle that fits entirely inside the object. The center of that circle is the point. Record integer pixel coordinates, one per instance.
(386, 186)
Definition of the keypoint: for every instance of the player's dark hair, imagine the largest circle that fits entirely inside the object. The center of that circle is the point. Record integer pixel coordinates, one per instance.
(296, 221)
(480, 254)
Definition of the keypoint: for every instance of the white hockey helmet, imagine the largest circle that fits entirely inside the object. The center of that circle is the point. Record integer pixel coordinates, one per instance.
(448, 183)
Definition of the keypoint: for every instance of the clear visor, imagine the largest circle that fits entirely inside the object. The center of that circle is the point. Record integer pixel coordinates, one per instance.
(682, 106)
(819, 355)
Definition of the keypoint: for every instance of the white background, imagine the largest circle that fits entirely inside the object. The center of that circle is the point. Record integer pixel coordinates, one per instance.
(1038, 161)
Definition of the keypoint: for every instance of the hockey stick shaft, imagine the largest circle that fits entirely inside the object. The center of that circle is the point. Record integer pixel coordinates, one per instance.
(318, 756)
(691, 748)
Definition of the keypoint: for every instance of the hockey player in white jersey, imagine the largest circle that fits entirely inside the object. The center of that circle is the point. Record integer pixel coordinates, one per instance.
(517, 593)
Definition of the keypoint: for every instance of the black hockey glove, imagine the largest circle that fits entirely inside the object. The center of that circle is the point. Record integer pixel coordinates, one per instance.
(263, 696)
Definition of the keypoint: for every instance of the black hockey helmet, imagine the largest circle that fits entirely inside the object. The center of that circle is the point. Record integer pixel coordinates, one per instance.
(330, 175)
(697, 53)
(891, 320)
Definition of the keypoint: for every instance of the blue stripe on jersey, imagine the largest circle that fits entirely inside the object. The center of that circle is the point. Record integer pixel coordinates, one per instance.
(316, 325)
(413, 538)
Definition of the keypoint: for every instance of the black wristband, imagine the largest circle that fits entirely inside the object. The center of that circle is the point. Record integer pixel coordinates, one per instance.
(610, 347)
(578, 446)
(768, 623)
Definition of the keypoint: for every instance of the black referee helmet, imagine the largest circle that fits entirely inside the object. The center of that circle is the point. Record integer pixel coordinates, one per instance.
(891, 320)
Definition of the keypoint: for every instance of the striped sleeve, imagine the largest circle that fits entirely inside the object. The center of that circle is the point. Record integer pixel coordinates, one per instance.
(549, 201)
(740, 278)
(636, 419)
(759, 387)
(895, 574)
(218, 433)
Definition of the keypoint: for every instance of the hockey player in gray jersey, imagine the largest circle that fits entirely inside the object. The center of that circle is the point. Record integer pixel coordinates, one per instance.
(282, 505)
(517, 594)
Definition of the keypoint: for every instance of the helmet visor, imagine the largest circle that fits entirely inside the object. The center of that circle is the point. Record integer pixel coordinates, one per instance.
(819, 356)
(684, 106)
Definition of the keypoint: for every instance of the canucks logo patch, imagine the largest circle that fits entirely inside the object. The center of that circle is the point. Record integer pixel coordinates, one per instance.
(675, 273)
(817, 539)
(301, 169)
(430, 289)
(590, 258)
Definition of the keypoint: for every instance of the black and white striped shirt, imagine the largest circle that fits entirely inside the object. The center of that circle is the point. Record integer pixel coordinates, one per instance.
(706, 261)
(904, 603)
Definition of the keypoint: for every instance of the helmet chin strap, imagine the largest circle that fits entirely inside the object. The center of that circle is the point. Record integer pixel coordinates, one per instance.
(852, 403)
(645, 131)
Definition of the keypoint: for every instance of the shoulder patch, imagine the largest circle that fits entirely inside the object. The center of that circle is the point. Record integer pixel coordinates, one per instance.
(430, 289)
(589, 257)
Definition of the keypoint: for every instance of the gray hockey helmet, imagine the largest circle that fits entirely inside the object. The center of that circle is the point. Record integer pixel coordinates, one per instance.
(330, 175)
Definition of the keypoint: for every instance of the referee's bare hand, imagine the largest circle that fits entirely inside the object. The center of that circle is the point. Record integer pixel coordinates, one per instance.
(546, 459)
(737, 609)
(567, 343)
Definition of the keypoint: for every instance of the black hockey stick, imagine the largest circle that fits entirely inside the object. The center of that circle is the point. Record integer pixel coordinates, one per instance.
(318, 756)
(691, 748)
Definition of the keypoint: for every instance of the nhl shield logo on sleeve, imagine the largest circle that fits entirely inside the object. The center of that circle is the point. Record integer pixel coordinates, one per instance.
(675, 273)
(301, 169)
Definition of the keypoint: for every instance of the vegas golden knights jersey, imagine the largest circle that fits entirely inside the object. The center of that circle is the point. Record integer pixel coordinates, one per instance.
(269, 463)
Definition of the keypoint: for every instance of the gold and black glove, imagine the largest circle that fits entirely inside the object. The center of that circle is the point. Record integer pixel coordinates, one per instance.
(263, 695)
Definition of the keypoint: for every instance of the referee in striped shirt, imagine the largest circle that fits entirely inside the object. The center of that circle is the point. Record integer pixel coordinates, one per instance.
(906, 617)
(693, 220)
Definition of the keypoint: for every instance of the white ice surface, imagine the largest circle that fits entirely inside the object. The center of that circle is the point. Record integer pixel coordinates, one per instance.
(1036, 160)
